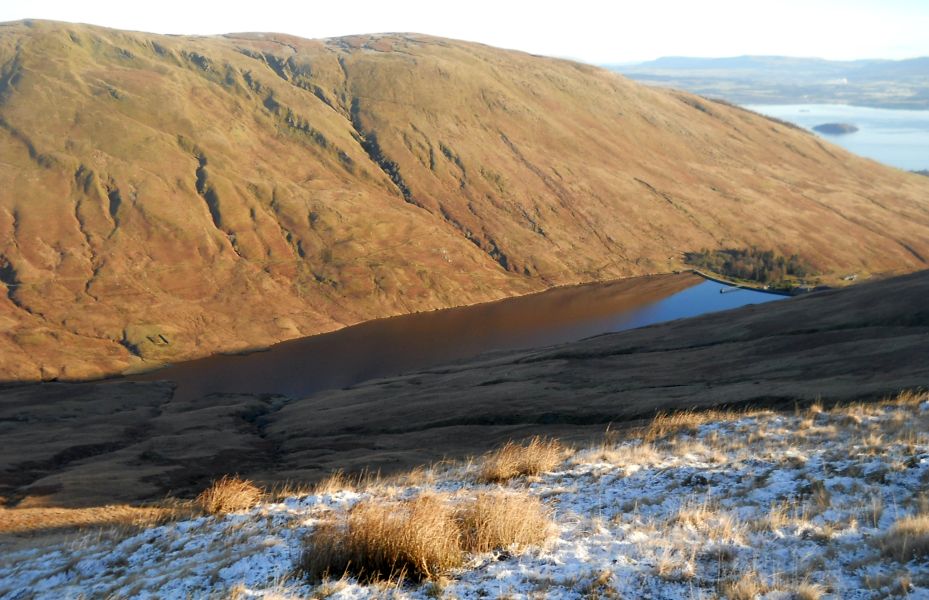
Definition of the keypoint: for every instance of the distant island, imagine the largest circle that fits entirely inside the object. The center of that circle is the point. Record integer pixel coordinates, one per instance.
(835, 128)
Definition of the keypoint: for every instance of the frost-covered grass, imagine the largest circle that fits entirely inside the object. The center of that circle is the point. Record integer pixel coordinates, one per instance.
(812, 504)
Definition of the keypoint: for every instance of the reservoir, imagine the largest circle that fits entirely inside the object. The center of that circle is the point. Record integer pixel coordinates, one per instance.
(899, 138)
(391, 346)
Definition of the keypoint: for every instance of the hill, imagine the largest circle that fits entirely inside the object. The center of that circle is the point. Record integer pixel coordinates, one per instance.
(833, 500)
(791, 80)
(168, 197)
(100, 443)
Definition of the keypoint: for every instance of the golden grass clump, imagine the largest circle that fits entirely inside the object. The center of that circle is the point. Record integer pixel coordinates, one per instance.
(809, 591)
(907, 539)
(626, 455)
(420, 538)
(677, 563)
(378, 540)
(538, 456)
(709, 520)
(781, 515)
(228, 494)
(497, 520)
(747, 587)
(120, 517)
(909, 398)
(665, 424)
(339, 481)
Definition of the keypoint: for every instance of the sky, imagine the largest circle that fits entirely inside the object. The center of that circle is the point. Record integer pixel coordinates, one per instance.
(598, 32)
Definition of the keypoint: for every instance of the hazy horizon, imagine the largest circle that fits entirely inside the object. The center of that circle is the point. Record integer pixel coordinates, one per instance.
(583, 30)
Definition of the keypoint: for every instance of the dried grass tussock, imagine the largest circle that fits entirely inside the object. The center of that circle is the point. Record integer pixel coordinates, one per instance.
(423, 537)
(669, 424)
(379, 540)
(625, 455)
(340, 481)
(122, 517)
(908, 539)
(717, 525)
(747, 587)
(230, 493)
(535, 457)
(495, 520)
(809, 591)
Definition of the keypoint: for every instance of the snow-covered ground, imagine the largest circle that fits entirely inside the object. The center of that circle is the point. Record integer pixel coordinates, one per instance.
(785, 505)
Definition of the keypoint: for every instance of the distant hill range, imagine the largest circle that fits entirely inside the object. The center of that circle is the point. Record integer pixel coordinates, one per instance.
(169, 197)
(787, 80)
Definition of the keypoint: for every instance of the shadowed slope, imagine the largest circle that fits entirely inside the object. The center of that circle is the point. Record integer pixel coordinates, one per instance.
(105, 442)
(168, 197)
(857, 343)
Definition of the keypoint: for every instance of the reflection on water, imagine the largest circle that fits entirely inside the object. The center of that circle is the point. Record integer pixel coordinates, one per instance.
(391, 346)
(700, 299)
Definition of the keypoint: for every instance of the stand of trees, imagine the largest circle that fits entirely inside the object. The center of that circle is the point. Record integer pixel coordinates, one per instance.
(753, 264)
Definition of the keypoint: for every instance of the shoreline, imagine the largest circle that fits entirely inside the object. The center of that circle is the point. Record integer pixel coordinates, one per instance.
(744, 286)
(140, 372)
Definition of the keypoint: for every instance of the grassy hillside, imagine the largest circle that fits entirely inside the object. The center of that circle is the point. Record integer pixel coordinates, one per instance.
(805, 504)
(99, 443)
(166, 197)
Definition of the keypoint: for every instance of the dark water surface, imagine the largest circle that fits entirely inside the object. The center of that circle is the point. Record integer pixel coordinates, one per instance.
(394, 345)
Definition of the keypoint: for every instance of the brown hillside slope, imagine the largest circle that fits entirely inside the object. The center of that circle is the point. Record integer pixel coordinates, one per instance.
(167, 197)
(93, 443)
